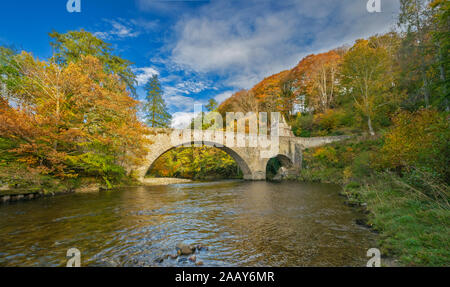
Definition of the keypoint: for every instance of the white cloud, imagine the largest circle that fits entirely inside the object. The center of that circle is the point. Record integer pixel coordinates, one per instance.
(144, 74)
(145, 25)
(189, 87)
(223, 96)
(121, 29)
(181, 120)
(182, 103)
(245, 41)
(179, 94)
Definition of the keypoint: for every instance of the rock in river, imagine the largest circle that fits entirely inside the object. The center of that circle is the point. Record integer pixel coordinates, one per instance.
(200, 247)
(184, 249)
(199, 263)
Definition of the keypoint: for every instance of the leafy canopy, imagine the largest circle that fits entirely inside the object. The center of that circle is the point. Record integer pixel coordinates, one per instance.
(71, 46)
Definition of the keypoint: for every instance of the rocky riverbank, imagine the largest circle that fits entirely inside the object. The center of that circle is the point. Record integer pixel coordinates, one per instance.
(13, 195)
(9, 194)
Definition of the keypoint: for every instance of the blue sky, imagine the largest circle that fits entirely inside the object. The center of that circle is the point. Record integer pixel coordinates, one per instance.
(200, 49)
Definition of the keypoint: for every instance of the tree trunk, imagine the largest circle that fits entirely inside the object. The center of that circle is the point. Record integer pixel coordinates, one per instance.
(443, 78)
(426, 91)
(425, 87)
(369, 123)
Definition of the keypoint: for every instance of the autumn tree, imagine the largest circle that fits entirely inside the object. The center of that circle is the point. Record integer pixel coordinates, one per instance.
(441, 40)
(317, 78)
(155, 108)
(287, 95)
(418, 139)
(274, 93)
(71, 46)
(242, 101)
(417, 48)
(365, 79)
(72, 119)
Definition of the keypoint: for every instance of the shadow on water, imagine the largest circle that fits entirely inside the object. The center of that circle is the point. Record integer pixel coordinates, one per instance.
(242, 223)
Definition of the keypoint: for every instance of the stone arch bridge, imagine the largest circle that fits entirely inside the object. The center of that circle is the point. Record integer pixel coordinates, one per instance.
(252, 159)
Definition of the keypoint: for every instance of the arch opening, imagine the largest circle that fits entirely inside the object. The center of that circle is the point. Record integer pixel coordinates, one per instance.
(199, 161)
(276, 168)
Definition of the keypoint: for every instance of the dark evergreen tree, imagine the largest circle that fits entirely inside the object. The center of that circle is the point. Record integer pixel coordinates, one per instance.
(155, 108)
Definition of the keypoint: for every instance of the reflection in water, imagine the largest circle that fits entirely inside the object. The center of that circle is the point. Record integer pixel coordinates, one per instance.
(242, 223)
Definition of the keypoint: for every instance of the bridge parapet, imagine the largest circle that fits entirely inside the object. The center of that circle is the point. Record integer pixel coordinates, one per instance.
(318, 141)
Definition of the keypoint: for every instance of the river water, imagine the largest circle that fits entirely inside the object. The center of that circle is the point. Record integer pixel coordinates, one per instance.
(242, 223)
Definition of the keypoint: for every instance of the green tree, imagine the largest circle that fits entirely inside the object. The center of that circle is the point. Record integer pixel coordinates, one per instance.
(212, 105)
(442, 41)
(9, 75)
(365, 78)
(415, 16)
(155, 107)
(71, 46)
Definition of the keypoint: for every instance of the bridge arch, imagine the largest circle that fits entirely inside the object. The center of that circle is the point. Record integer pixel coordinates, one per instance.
(277, 162)
(238, 157)
(285, 160)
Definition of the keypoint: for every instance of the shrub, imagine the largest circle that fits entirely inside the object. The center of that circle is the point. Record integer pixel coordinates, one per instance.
(330, 120)
(361, 165)
(418, 140)
(326, 154)
(303, 125)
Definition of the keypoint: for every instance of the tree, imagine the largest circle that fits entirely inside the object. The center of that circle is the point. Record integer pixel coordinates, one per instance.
(212, 105)
(365, 79)
(242, 101)
(274, 93)
(441, 19)
(418, 140)
(155, 107)
(72, 119)
(9, 75)
(71, 46)
(415, 16)
(317, 78)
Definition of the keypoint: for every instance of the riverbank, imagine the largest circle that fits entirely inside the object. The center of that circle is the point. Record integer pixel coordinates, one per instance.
(86, 185)
(410, 213)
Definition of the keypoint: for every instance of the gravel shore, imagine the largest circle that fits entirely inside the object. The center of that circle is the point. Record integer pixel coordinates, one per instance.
(164, 181)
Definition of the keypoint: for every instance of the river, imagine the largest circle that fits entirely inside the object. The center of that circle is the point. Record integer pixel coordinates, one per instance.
(242, 223)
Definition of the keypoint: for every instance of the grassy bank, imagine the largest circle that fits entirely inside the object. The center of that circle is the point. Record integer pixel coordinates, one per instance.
(410, 211)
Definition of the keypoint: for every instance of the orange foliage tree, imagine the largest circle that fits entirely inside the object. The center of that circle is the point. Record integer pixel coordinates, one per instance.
(274, 93)
(317, 78)
(242, 101)
(71, 120)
